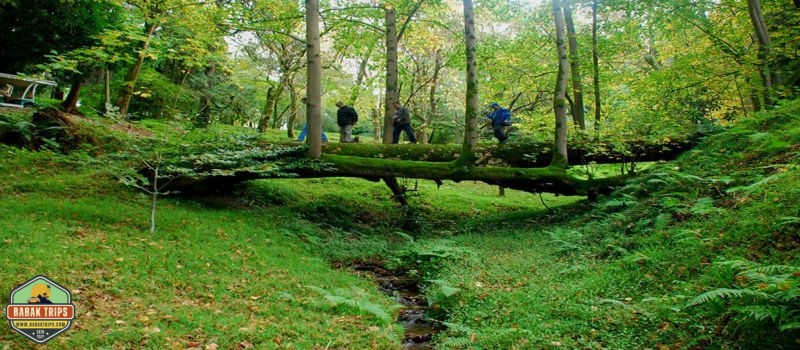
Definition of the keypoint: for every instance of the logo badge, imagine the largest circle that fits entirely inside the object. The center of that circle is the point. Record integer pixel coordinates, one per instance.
(40, 309)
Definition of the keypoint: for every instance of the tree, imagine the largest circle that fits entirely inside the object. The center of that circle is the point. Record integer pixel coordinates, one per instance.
(152, 14)
(391, 72)
(471, 114)
(595, 70)
(575, 64)
(313, 80)
(393, 36)
(765, 59)
(559, 94)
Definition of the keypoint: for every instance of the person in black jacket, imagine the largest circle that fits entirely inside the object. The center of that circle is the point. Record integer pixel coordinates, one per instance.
(346, 117)
(402, 122)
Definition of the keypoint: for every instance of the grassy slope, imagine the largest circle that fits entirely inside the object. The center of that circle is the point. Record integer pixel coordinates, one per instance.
(622, 275)
(252, 270)
(248, 270)
(209, 276)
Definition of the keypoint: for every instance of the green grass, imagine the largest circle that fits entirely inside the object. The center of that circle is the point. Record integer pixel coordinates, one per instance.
(208, 276)
(622, 275)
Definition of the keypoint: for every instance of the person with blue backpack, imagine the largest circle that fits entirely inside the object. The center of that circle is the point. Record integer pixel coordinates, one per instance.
(501, 120)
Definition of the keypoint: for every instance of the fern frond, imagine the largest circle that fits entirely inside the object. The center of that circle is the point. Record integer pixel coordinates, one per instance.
(776, 269)
(457, 343)
(725, 293)
(762, 313)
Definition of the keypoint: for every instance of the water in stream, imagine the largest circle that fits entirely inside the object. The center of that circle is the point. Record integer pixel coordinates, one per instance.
(418, 329)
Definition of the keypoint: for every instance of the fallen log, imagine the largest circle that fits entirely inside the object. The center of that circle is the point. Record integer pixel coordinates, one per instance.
(516, 165)
(522, 153)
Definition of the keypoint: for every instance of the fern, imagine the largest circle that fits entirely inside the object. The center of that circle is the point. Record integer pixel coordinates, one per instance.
(772, 294)
(457, 343)
(720, 294)
(762, 313)
(360, 302)
(749, 189)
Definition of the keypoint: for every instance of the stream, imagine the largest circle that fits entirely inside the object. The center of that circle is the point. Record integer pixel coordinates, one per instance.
(418, 329)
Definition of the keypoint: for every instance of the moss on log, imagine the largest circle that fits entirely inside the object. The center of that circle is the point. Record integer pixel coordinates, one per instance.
(521, 153)
(515, 165)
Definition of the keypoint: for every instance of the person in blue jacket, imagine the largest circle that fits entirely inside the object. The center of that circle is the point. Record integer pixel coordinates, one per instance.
(501, 119)
(304, 132)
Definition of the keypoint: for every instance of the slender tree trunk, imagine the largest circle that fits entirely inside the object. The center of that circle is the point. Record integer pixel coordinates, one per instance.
(391, 72)
(313, 80)
(292, 111)
(595, 70)
(471, 115)
(574, 61)
(133, 72)
(559, 95)
(107, 100)
(392, 94)
(70, 104)
(764, 50)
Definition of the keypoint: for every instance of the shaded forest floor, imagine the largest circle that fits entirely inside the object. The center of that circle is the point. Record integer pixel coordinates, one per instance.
(695, 253)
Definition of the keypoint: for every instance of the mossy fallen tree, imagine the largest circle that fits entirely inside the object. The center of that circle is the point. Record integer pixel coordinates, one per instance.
(531, 173)
(522, 153)
(535, 180)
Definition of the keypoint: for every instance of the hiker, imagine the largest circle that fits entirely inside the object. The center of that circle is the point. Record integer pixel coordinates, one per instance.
(346, 117)
(501, 121)
(402, 122)
(304, 131)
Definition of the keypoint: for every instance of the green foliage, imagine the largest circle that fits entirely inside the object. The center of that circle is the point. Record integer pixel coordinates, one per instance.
(422, 260)
(357, 300)
(24, 134)
(766, 294)
(214, 276)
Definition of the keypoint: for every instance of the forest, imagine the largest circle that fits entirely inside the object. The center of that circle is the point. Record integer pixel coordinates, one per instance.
(183, 170)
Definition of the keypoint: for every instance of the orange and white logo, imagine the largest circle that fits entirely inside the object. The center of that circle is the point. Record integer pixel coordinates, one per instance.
(40, 309)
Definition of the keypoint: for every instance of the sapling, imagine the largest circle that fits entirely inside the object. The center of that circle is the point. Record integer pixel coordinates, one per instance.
(149, 185)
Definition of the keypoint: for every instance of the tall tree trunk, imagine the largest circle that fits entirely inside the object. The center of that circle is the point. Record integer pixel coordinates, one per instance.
(574, 61)
(133, 72)
(559, 95)
(107, 99)
(595, 70)
(471, 115)
(292, 111)
(70, 104)
(764, 50)
(392, 37)
(391, 72)
(313, 80)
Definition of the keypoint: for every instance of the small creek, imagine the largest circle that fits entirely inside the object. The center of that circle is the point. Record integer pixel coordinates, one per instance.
(418, 329)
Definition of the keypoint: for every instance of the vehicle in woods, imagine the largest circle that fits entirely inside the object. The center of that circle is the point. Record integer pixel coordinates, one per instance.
(20, 92)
